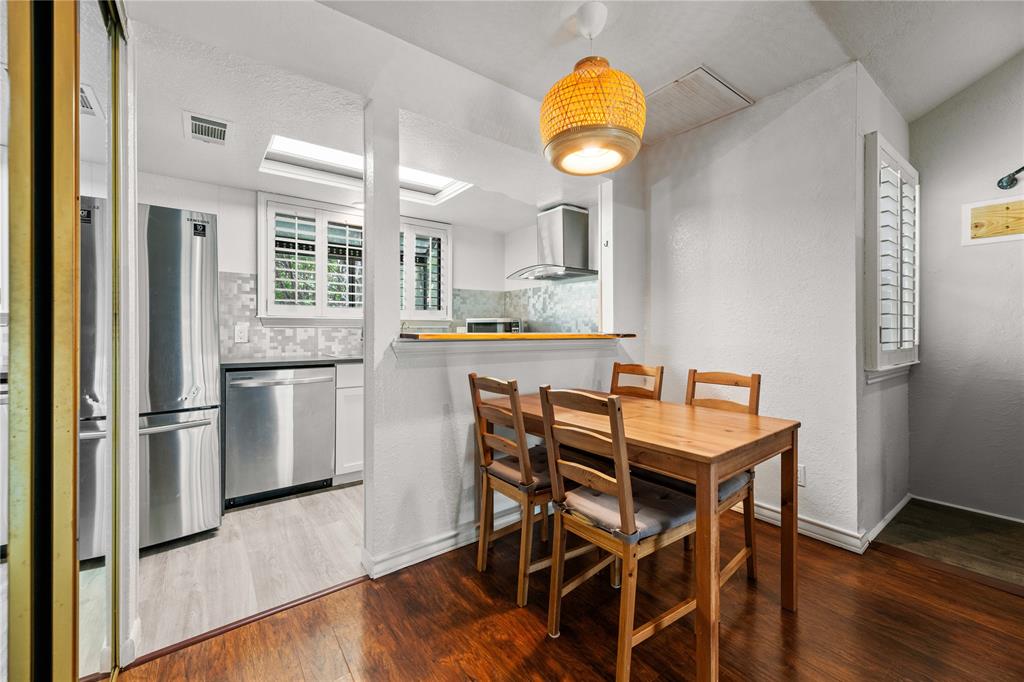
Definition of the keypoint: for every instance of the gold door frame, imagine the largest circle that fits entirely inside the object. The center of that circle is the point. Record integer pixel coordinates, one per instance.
(43, 62)
(43, 379)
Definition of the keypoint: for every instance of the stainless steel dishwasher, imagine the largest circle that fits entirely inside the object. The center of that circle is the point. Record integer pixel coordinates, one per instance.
(279, 432)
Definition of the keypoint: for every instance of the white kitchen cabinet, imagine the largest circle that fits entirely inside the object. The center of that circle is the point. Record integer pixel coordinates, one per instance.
(348, 451)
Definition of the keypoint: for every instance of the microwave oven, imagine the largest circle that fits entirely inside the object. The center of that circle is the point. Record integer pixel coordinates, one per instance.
(493, 325)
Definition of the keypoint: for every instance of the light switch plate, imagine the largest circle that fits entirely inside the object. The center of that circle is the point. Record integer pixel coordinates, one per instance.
(801, 475)
(241, 333)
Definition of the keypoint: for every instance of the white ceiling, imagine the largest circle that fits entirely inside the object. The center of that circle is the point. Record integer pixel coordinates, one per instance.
(921, 53)
(178, 74)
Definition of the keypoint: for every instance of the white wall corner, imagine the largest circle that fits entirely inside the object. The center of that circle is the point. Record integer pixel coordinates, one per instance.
(874, 532)
(382, 220)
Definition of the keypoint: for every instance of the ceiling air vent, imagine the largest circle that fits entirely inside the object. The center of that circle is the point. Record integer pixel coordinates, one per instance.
(697, 98)
(205, 129)
(88, 105)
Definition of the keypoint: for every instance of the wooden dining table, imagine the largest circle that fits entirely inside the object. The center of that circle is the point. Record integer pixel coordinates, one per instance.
(703, 446)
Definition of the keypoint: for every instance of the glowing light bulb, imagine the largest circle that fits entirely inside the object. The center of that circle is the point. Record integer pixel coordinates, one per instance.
(591, 160)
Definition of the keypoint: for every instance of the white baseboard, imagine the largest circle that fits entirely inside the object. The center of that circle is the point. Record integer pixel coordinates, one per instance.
(970, 509)
(873, 533)
(464, 534)
(819, 530)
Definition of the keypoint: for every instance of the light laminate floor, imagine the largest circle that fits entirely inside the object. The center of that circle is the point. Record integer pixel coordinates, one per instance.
(262, 556)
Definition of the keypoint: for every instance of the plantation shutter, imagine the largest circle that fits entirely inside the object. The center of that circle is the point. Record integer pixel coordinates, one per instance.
(892, 249)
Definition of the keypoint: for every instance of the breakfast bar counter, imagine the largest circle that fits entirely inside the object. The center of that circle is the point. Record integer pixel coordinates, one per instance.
(522, 336)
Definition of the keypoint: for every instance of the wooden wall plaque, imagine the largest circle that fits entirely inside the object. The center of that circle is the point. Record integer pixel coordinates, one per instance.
(993, 220)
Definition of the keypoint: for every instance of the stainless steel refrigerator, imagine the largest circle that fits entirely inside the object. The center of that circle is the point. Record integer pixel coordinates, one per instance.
(180, 489)
(94, 373)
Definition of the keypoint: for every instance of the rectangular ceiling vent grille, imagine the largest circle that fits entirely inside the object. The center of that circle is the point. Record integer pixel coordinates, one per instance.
(208, 130)
(697, 98)
(85, 103)
(88, 102)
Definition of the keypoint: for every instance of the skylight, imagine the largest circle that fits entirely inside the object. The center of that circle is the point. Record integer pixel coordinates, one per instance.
(300, 160)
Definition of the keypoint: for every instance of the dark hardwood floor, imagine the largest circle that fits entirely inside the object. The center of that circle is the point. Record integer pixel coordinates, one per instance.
(870, 617)
(986, 545)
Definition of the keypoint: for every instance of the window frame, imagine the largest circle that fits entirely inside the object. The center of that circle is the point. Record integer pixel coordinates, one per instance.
(267, 205)
(410, 227)
(877, 359)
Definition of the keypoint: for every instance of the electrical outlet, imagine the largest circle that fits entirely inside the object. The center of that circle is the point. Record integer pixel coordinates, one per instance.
(241, 333)
(801, 475)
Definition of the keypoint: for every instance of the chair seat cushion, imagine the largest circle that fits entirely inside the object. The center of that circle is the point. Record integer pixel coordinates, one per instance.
(506, 468)
(656, 507)
(726, 488)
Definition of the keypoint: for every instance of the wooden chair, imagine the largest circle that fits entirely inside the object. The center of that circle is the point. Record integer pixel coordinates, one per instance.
(654, 392)
(521, 474)
(741, 486)
(627, 518)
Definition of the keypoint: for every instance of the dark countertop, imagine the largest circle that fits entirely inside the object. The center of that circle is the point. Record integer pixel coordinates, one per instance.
(256, 363)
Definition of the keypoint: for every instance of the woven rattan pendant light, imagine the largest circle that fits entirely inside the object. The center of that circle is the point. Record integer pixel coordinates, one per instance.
(592, 121)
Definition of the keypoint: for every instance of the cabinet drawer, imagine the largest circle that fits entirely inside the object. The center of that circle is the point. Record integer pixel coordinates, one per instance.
(350, 374)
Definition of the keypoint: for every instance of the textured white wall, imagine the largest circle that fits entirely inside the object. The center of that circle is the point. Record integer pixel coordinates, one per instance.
(753, 268)
(883, 412)
(520, 251)
(478, 259)
(967, 395)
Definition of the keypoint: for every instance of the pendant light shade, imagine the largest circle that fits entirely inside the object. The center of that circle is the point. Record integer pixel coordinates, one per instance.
(592, 121)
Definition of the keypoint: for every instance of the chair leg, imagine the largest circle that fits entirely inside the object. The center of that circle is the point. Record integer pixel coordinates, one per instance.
(525, 546)
(750, 535)
(615, 573)
(627, 609)
(557, 571)
(544, 537)
(486, 523)
(687, 543)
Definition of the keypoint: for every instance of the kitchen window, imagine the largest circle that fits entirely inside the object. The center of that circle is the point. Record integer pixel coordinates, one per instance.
(310, 260)
(311, 263)
(425, 271)
(892, 264)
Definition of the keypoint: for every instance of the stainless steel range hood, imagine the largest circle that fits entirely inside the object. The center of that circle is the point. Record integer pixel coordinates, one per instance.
(563, 246)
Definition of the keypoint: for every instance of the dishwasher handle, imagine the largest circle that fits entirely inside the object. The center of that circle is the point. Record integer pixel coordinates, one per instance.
(177, 426)
(249, 382)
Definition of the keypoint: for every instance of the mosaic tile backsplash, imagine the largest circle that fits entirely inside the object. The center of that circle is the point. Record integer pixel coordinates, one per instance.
(238, 304)
(571, 307)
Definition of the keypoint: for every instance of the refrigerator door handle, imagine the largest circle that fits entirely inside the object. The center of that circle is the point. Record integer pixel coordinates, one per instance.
(92, 435)
(180, 426)
(256, 383)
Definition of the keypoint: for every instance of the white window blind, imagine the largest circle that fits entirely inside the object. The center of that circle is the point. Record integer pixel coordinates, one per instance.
(311, 260)
(344, 264)
(294, 258)
(425, 264)
(892, 264)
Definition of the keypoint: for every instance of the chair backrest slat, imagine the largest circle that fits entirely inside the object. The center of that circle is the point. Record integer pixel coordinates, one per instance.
(751, 382)
(497, 415)
(501, 444)
(559, 433)
(589, 477)
(488, 416)
(656, 372)
(581, 439)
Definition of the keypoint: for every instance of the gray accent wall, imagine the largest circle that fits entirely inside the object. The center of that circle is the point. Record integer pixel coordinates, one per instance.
(967, 395)
(570, 307)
